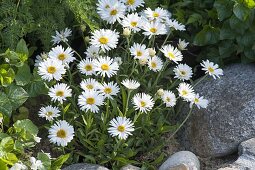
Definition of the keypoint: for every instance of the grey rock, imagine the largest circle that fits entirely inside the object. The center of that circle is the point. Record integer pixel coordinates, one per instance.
(84, 166)
(182, 158)
(130, 167)
(180, 167)
(229, 119)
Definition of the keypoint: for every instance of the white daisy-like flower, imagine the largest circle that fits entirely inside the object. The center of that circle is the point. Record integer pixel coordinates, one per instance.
(86, 66)
(61, 36)
(175, 24)
(92, 52)
(106, 66)
(159, 14)
(90, 84)
(40, 58)
(35, 164)
(60, 92)
(61, 133)
(169, 98)
(211, 69)
(18, 166)
(173, 54)
(182, 44)
(139, 51)
(59, 53)
(49, 112)
(186, 91)
(130, 84)
(121, 127)
(199, 101)
(183, 72)
(51, 69)
(114, 12)
(105, 39)
(132, 5)
(90, 101)
(155, 64)
(154, 28)
(109, 89)
(133, 22)
(143, 102)
(103, 5)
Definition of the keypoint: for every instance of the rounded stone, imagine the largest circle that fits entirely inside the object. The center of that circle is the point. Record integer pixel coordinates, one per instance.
(84, 166)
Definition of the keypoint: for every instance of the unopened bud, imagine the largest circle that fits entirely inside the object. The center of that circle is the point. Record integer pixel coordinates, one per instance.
(126, 32)
(160, 92)
(152, 52)
(87, 39)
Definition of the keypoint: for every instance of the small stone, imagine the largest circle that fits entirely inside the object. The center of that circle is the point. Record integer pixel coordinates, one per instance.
(84, 166)
(130, 167)
(182, 159)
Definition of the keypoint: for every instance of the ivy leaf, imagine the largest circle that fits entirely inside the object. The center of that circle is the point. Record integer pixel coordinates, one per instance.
(5, 105)
(241, 11)
(26, 125)
(23, 75)
(209, 35)
(17, 96)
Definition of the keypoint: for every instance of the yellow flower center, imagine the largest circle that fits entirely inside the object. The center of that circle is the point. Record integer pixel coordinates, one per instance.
(113, 12)
(107, 90)
(139, 53)
(155, 14)
(121, 128)
(182, 73)
(130, 2)
(105, 67)
(51, 69)
(90, 100)
(210, 69)
(153, 30)
(49, 113)
(61, 133)
(61, 56)
(88, 67)
(60, 93)
(196, 100)
(134, 24)
(153, 65)
(184, 93)
(171, 55)
(168, 99)
(90, 86)
(143, 104)
(103, 40)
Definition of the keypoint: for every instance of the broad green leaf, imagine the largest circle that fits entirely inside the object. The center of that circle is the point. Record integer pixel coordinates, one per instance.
(7, 75)
(209, 35)
(17, 96)
(241, 11)
(226, 32)
(26, 125)
(223, 8)
(7, 144)
(250, 3)
(10, 158)
(23, 75)
(22, 47)
(5, 105)
(194, 18)
(45, 160)
(35, 88)
(57, 164)
(3, 165)
(226, 48)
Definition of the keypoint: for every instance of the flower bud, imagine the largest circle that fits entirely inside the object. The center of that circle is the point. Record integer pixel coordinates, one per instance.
(160, 92)
(87, 39)
(126, 32)
(152, 52)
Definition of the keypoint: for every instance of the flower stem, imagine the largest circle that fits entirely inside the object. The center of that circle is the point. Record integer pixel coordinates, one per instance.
(128, 96)
(74, 50)
(201, 79)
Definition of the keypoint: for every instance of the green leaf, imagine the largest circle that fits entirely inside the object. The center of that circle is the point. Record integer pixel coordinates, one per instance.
(3, 165)
(7, 75)
(57, 164)
(194, 18)
(250, 3)
(7, 144)
(10, 158)
(22, 47)
(223, 8)
(26, 125)
(23, 75)
(45, 160)
(241, 11)
(17, 96)
(209, 35)
(226, 32)
(35, 88)
(226, 48)
(5, 105)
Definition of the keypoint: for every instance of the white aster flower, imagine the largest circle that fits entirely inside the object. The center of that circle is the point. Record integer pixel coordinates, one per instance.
(121, 127)
(40, 58)
(130, 84)
(35, 164)
(154, 28)
(143, 102)
(61, 36)
(109, 89)
(182, 45)
(175, 24)
(139, 51)
(61, 133)
(132, 5)
(51, 69)
(60, 92)
(105, 39)
(169, 98)
(18, 166)
(86, 66)
(159, 14)
(103, 5)
(114, 12)
(199, 101)
(183, 72)
(173, 54)
(186, 91)
(106, 66)
(118, 60)
(133, 22)
(90, 84)
(211, 69)
(155, 64)
(92, 52)
(49, 112)
(59, 53)
(90, 101)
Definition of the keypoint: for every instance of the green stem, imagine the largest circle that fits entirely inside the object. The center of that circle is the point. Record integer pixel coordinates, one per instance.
(159, 74)
(201, 79)
(74, 50)
(137, 116)
(128, 96)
